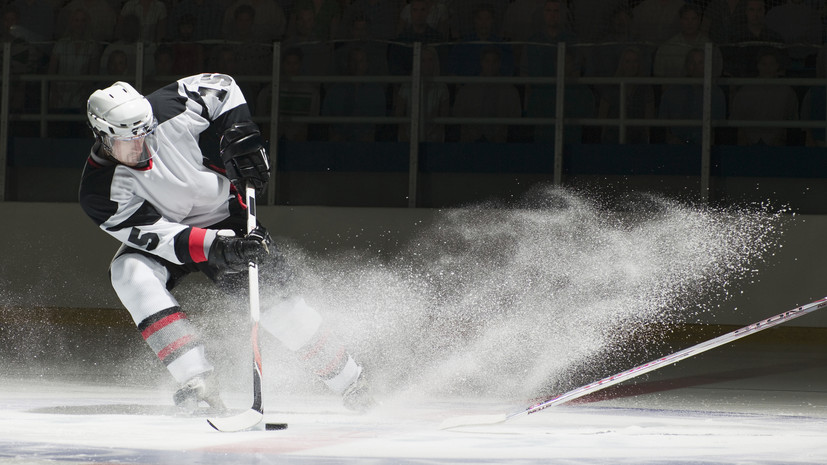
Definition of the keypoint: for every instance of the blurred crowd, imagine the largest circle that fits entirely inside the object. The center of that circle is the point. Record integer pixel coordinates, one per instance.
(490, 38)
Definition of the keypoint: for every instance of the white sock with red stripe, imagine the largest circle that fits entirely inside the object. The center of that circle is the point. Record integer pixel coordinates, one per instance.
(174, 340)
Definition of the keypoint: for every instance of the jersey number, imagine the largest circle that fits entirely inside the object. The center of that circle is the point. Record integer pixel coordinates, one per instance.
(148, 240)
(221, 80)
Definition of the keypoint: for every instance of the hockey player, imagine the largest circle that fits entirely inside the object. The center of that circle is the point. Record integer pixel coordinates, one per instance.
(163, 177)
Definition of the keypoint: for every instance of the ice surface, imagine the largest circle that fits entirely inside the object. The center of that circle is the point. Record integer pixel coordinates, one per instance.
(48, 423)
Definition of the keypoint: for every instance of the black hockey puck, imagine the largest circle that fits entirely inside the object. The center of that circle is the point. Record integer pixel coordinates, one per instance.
(275, 426)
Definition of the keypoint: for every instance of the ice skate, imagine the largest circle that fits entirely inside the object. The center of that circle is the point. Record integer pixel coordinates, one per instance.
(199, 390)
(357, 396)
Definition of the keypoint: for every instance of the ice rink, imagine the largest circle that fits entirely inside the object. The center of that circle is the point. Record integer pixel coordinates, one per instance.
(756, 401)
(484, 312)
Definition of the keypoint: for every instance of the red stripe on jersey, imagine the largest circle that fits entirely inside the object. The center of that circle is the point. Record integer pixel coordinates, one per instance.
(163, 322)
(164, 353)
(143, 168)
(196, 244)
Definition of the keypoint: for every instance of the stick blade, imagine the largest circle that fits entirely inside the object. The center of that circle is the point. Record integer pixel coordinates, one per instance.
(473, 420)
(241, 422)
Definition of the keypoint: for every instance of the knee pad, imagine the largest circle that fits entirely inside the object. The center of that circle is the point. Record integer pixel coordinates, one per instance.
(292, 322)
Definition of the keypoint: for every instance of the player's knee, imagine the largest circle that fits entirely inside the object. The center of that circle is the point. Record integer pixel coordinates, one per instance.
(292, 321)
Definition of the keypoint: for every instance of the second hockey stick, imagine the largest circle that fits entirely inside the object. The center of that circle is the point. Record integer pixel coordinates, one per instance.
(474, 420)
(252, 417)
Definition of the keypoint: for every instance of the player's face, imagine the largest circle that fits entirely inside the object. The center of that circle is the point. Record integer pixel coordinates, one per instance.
(134, 151)
(129, 152)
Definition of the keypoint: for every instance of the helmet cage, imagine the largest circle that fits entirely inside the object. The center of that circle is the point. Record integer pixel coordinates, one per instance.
(132, 150)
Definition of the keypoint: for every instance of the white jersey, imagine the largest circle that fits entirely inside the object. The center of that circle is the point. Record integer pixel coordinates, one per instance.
(165, 207)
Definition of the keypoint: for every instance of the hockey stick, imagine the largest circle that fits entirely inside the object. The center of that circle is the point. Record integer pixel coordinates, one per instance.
(473, 420)
(255, 414)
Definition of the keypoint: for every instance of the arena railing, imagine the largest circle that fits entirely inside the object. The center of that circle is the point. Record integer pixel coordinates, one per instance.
(415, 117)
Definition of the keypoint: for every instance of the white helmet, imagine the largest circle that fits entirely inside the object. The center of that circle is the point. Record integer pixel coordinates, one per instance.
(123, 120)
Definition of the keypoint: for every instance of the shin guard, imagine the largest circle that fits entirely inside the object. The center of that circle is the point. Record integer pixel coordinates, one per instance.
(173, 339)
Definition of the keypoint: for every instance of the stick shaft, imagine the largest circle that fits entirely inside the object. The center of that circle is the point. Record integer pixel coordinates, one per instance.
(253, 271)
(676, 357)
(255, 311)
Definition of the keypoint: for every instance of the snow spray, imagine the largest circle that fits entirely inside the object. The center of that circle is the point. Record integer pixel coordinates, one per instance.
(507, 301)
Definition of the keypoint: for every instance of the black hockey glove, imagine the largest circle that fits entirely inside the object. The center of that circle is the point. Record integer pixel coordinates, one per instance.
(244, 156)
(231, 254)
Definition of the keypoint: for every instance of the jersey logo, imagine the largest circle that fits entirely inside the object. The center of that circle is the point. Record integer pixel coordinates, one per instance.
(148, 241)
